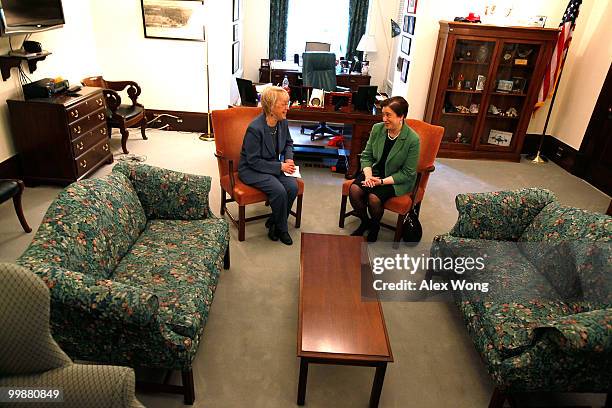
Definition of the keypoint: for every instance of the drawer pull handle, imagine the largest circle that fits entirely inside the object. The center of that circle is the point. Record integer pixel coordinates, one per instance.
(74, 113)
(80, 145)
(100, 102)
(105, 147)
(101, 116)
(83, 164)
(77, 130)
(103, 131)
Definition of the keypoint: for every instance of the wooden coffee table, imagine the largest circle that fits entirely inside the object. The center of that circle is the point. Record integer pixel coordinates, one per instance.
(335, 325)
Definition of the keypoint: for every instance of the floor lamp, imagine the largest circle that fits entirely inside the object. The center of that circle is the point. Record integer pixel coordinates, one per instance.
(209, 135)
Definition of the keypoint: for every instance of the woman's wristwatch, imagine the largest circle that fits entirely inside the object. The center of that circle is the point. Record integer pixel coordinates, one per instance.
(382, 181)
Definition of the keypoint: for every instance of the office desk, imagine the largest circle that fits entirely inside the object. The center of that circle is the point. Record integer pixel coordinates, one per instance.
(362, 123)
(276, 76)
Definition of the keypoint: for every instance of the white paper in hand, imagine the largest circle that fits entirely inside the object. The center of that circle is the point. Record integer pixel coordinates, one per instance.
(296, 173)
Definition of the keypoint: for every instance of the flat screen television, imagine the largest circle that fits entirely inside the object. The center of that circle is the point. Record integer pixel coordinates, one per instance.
(30, 16)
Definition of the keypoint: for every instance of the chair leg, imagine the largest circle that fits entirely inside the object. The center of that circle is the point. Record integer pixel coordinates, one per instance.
(223, 202)
(143, 127)
(498, 398)
(399, 227)
(124, 138)
(342, 211)
(241, 222)
(298, 211)
(188, 388)
(608, 403)
(19, 209)
(226, 258)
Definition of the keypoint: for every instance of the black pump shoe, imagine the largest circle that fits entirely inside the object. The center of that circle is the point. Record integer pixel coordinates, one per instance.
(363, 227)
(285, 238)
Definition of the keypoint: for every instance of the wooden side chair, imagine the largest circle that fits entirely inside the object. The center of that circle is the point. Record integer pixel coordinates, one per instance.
(118, 115)
(10, 188)
(230, 126)
(430, 137)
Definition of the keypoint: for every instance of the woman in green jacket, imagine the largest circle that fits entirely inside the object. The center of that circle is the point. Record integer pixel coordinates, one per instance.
(389, 163)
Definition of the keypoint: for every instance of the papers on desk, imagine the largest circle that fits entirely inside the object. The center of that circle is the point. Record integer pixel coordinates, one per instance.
(260, 88)
(285, 65)
(295, 174)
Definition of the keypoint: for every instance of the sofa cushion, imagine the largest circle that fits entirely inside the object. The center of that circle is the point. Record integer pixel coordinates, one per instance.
(89, 227)
(178, 260)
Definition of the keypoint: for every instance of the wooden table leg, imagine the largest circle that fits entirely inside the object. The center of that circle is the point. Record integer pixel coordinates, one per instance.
(302, 382)
(379, 377)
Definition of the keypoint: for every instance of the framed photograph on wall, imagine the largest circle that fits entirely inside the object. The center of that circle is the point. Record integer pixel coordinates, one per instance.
(171, 19)
(412, 4)
(235, 57)
(405, 25)
(406, 44)
(235, 10)
(235, 35)
(404, 76)
(411, 24)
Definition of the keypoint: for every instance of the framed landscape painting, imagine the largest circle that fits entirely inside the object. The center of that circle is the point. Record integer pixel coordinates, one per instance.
(172, 19)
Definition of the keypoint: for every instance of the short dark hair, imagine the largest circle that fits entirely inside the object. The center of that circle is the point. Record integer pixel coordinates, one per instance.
(397, 104)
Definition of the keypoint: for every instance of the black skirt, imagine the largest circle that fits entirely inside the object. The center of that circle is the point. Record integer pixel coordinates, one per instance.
(384, 192)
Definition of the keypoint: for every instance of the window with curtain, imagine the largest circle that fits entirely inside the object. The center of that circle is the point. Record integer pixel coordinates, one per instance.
(317, 20)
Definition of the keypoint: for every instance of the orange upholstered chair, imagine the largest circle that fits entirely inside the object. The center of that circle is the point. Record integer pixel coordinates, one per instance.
(430, 137)
(230, 126)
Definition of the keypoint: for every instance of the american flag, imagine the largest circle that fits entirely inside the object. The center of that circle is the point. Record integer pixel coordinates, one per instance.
(563, 41)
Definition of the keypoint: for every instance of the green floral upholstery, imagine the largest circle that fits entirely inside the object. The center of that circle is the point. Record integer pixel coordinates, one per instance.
(546, 322)
(132, 261)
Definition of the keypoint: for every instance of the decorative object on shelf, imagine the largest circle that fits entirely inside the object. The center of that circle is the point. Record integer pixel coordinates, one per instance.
(518, 84)
(471, 18)
(412, 5)
(236, 10)
(499, 137)
(406, 44)
(535, 21)
(411, 24)
(474, 108)
(494, 110)
(460, 79)
(480, 82)
(235, 57)
(504, 85)
(178, 20)
(405, 66)
(482, 53)
(512, 113)
(509, 53)
(467, 85)
(365, 67)
(395, 29)
(458, 138)
(451, 80)
(462, 109)
(525, 52)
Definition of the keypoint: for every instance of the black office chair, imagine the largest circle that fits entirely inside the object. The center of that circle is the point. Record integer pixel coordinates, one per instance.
(248, 94)
(319, 71)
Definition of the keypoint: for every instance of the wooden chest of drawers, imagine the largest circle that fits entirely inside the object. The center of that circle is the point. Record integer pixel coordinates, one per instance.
(61, 139)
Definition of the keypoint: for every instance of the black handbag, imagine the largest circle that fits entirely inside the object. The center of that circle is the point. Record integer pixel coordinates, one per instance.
(413, 231)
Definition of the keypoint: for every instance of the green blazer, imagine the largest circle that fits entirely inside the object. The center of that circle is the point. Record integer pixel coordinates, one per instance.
(402, 160)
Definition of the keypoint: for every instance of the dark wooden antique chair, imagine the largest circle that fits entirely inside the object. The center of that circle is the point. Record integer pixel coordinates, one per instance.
(10, 188)
(118, 115)
(230, 125)
(430, 137)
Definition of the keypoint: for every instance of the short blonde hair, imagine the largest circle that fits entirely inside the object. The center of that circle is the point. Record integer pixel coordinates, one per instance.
(269, 97)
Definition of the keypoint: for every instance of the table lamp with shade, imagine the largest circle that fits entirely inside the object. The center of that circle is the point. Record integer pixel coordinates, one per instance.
(366, 44)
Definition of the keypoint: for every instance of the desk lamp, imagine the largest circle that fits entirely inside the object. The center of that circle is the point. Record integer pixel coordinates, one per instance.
(366, 44)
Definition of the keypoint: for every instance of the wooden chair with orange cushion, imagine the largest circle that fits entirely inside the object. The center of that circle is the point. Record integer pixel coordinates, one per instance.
(118, 115)
(430, 137)
(230, 126)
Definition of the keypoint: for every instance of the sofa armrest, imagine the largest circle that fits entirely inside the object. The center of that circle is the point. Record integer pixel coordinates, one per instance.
(168, 194)
(104, 298)
(586, 331)
(499, 215)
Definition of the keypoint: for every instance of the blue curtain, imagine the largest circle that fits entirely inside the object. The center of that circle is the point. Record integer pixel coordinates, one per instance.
(358, 17)
(279, 15)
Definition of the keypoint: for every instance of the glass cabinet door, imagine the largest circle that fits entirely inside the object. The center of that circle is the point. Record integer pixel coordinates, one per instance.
(464, 92)
(508, 94)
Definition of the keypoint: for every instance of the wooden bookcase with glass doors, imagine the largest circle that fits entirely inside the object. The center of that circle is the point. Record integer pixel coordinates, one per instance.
(484, 86)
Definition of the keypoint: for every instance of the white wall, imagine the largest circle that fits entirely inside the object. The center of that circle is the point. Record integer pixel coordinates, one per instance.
(171, 73)
(74, 57)
(379, 25)
(256, 36)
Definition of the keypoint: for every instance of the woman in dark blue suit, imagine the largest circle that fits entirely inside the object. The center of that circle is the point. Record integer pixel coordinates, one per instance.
(267, 153)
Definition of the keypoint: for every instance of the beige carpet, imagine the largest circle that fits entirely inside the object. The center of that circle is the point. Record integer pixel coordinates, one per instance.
(248, 353)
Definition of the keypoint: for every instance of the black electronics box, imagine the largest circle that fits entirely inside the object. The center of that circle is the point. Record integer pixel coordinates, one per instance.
(44, 88)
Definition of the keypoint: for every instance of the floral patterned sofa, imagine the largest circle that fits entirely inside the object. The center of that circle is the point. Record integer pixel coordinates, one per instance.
(132, 261)
(545, 323)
